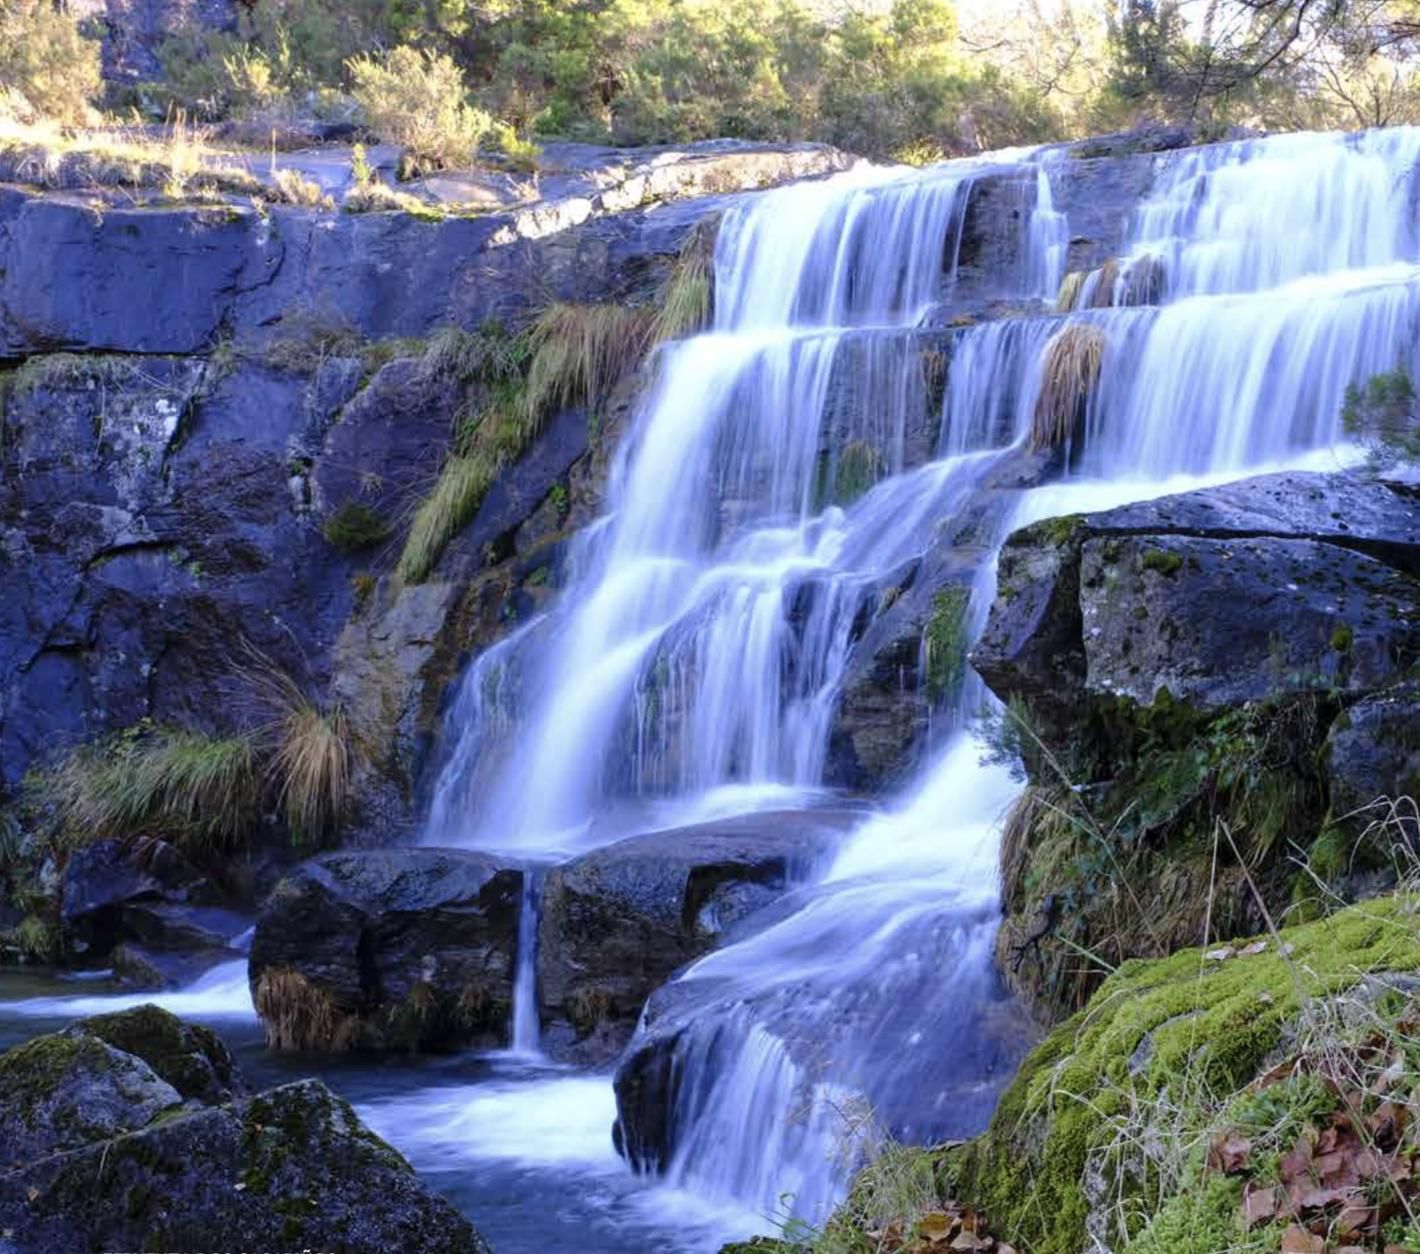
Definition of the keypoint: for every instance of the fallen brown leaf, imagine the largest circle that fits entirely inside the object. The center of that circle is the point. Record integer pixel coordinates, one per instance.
(1258, 1205)
(1297, 1240)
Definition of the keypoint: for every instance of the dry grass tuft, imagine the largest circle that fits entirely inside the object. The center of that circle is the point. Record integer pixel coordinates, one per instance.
(1069, 296)
(311, 754)
(1072, 369)
(1102, 291)
(298, 1017)
(297, 190)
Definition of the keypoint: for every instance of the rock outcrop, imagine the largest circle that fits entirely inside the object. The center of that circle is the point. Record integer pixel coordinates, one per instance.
(616, 923)
(98, 1150)
(407, 948)
(1200, 686)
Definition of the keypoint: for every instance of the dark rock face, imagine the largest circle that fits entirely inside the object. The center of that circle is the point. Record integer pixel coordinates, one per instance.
(1282, 583)
(86, 1162)
(410, 948)
(616, 923)
(1373, 752)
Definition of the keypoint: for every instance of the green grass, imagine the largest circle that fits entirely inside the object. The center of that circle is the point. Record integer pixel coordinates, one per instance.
(457, 494)
(169, 781)
(579, 352)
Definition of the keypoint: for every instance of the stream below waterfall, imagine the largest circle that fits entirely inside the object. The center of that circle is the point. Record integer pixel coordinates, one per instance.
(694, 661)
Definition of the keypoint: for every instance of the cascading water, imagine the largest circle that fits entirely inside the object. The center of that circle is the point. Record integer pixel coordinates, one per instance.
(699, 652)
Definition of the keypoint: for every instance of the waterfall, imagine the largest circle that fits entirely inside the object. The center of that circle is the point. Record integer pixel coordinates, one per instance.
(772, 482)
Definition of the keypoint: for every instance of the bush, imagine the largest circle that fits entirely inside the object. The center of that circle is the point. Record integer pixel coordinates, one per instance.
(417, 100)
(45, 59)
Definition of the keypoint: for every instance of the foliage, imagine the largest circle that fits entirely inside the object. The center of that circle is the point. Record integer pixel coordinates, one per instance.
(417, 99)
(946, 641)
(161, 781)
(46, 63)
(1384, 412)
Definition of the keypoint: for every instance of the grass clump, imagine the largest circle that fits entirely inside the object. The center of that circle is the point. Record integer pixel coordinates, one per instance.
(162, 781)
(457, 494)
(295, 189)
(417, 99)
(353, 527)
(579, 352)
(308, 755)
(684, 304)
(1072, 369)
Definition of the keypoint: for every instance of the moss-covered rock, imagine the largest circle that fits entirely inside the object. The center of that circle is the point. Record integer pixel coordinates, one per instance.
(1170, 1035)
(188, 1056)
(293, 1168)
(63, 1091)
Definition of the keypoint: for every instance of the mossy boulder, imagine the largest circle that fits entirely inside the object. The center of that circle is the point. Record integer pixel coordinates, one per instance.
(1164, 1035)
(1173, 669)
(98, 1151)
(290, 1169)
(187, 1056)
(62, 1091)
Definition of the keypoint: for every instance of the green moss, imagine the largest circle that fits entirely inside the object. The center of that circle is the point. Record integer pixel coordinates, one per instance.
(1170, 1028)
(1161, 561)
(354, 526)
(1058, 531)
(946, 641)
(1342, 639)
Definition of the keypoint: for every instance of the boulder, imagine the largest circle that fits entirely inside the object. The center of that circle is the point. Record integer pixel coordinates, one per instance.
(616, 923)
(64, 1091)
(187, 1056)
(410, 948)
(101, 1153)
(1284, 583)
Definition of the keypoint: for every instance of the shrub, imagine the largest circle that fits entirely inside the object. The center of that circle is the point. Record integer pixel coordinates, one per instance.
(45, 59)
(417, 100)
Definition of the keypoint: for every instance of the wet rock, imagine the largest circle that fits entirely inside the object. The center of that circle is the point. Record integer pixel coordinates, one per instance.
(60, 1092)
(1283, 583)
(402, 948)
(189, 1057)
(617, 922)
(291, 1168)
(150, 970)
(1373, 755)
